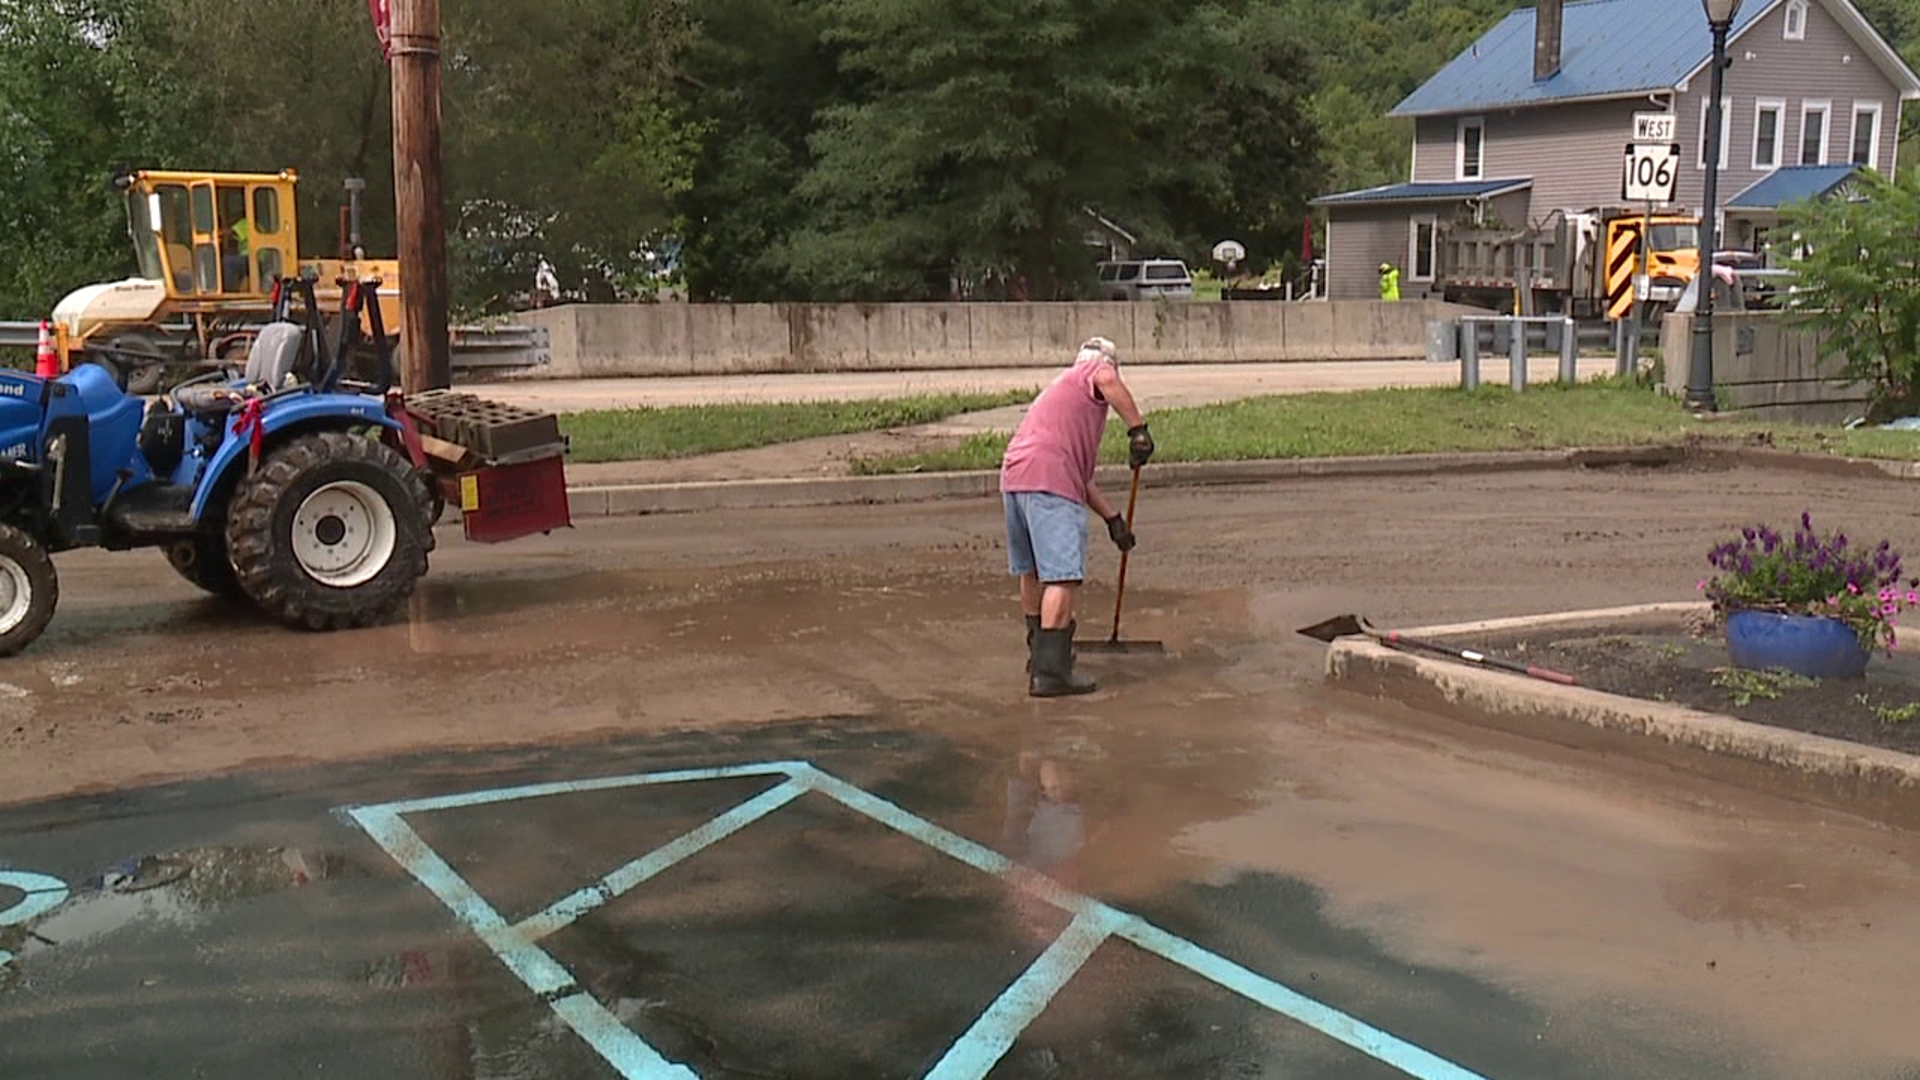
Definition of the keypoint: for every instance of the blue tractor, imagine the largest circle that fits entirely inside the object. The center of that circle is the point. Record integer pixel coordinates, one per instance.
(289, 484)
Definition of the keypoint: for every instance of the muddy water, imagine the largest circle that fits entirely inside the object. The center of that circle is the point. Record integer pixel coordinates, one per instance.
(1747, 928)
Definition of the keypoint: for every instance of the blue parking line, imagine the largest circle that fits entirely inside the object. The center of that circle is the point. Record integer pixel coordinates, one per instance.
(600, 1029)
(987, 1041)
(42, 893)
(576, 787)
(971, 1056)
(562, 912)
(1327, 1020)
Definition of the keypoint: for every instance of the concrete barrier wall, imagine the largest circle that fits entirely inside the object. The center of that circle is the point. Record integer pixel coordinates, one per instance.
(1767, 365)
(608, 340)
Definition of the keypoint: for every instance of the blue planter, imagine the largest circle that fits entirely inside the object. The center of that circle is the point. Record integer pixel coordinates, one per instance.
(1812, 645)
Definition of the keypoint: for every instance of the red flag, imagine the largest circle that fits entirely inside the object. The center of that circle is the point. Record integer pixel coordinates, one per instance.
(382, 11)
(1306, 231)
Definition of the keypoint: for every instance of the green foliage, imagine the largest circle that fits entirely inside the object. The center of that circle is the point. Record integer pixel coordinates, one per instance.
(1743, 685)
(1890, 714)
(1860, 283)
(880, 149)
(684, 431)
(75, 103)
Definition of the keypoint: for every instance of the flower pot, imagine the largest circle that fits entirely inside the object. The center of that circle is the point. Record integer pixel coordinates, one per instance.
(1815, 646)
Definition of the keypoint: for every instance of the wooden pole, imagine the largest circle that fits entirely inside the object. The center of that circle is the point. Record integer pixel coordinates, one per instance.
(425, 346)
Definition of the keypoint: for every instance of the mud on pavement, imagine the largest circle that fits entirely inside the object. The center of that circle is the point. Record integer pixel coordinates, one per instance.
(1515, 909)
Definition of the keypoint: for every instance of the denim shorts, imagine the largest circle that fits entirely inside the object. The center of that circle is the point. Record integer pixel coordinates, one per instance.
(1048, 534)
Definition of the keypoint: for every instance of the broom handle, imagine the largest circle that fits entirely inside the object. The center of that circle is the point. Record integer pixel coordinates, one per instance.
(1120, 588)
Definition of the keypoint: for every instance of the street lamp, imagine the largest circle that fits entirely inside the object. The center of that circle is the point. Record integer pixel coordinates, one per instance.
(1720, 15)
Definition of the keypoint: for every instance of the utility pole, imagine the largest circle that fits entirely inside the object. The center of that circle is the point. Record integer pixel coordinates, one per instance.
(425, 345)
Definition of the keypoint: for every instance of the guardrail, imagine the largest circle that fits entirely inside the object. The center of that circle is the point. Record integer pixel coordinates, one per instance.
(19, 334)
(475, 348)
(1452, 339)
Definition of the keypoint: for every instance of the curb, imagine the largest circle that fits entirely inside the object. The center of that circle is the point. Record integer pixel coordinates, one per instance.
(1874, 781)
(618, 500)
(621, 500)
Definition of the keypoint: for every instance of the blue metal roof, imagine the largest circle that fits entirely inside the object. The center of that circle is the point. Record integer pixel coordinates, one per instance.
(1610, 48)
(1428, 192)
(1792, 184)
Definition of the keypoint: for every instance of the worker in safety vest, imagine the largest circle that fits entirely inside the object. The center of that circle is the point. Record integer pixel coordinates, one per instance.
(1389, 282)
(234, 262)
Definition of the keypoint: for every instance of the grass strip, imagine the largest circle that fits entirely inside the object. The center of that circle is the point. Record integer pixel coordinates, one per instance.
(686, 430)
(1605, 412)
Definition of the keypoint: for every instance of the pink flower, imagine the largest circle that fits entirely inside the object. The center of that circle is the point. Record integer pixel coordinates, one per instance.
(1852, 588)
(1702, 587)
(1889, 610)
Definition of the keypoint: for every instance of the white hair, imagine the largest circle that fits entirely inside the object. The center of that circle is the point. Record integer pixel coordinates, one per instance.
(1097, 348)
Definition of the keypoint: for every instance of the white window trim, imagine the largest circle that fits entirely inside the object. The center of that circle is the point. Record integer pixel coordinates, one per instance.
(1413, 246)
(1794, 7)
(1825, 109)
(1779, 133)
(1853, 132)
(1726, 132)
(1460, 147)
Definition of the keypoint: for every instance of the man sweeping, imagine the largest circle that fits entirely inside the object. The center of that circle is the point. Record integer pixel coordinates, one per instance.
(1046, 482)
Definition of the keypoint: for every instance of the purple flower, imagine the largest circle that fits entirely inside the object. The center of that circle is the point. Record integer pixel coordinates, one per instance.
(1749, 534)
(1806, 520)
(1746, 564)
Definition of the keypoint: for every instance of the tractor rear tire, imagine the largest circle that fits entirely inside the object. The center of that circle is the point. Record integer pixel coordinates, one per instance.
(331, 531)
(203, 561)
(29, 589)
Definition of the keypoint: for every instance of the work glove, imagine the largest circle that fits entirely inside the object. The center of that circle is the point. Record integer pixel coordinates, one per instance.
(1123, 537)
(1139, 446)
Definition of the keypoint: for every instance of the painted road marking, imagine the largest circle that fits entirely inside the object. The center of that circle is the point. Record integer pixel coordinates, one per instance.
(43, 894)
(971, 1056)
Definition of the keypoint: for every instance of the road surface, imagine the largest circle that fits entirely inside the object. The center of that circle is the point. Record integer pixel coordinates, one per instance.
(758, 794)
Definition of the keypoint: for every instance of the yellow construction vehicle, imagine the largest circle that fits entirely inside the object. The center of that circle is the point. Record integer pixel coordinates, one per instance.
(208, 247)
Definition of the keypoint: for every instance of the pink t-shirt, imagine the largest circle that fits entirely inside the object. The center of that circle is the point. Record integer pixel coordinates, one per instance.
(1058, 442)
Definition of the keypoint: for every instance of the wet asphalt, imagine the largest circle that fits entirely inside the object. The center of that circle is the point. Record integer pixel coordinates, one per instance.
(1404, 894)
(815, 943)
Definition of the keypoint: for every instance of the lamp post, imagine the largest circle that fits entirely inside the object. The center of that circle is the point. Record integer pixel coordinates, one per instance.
(1720, 15)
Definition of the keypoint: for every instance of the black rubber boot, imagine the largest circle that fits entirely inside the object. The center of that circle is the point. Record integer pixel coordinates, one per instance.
(1053, 674)
(1033, 628)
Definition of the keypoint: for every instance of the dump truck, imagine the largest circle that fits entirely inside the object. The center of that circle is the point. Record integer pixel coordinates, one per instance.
(1581, 263)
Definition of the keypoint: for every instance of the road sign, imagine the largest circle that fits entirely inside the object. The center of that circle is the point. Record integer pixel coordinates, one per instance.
(1652, 170)
(1654, 127)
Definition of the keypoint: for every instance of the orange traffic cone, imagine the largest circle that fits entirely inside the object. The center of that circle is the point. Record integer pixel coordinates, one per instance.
(46, 363)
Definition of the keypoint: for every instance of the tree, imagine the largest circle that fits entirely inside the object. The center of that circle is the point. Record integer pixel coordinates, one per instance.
(75, 106)
(975, 137)
(1859, 284)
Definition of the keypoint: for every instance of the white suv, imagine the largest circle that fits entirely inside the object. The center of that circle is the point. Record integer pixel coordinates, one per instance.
(1145, 279)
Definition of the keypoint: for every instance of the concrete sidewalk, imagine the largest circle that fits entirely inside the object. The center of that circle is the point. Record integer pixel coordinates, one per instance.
(1159, 386)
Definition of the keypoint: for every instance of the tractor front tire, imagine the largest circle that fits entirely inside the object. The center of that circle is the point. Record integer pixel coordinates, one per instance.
(29, 590)
(331, 531)
(203, 561)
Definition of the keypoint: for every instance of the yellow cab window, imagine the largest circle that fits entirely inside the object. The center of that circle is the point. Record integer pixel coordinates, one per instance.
(235, 240)
(176, 233)
(266, 210)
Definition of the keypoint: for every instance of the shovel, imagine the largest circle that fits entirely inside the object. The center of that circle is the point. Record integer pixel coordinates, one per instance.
(1113, 644)
(1349, 625)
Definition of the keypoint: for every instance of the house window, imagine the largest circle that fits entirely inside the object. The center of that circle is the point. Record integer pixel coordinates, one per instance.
(1768, 127)
(1725, 133)
(1422, 245)
(1796, 21)
(1866, 134)
(1815, 118)
(1472, 146)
